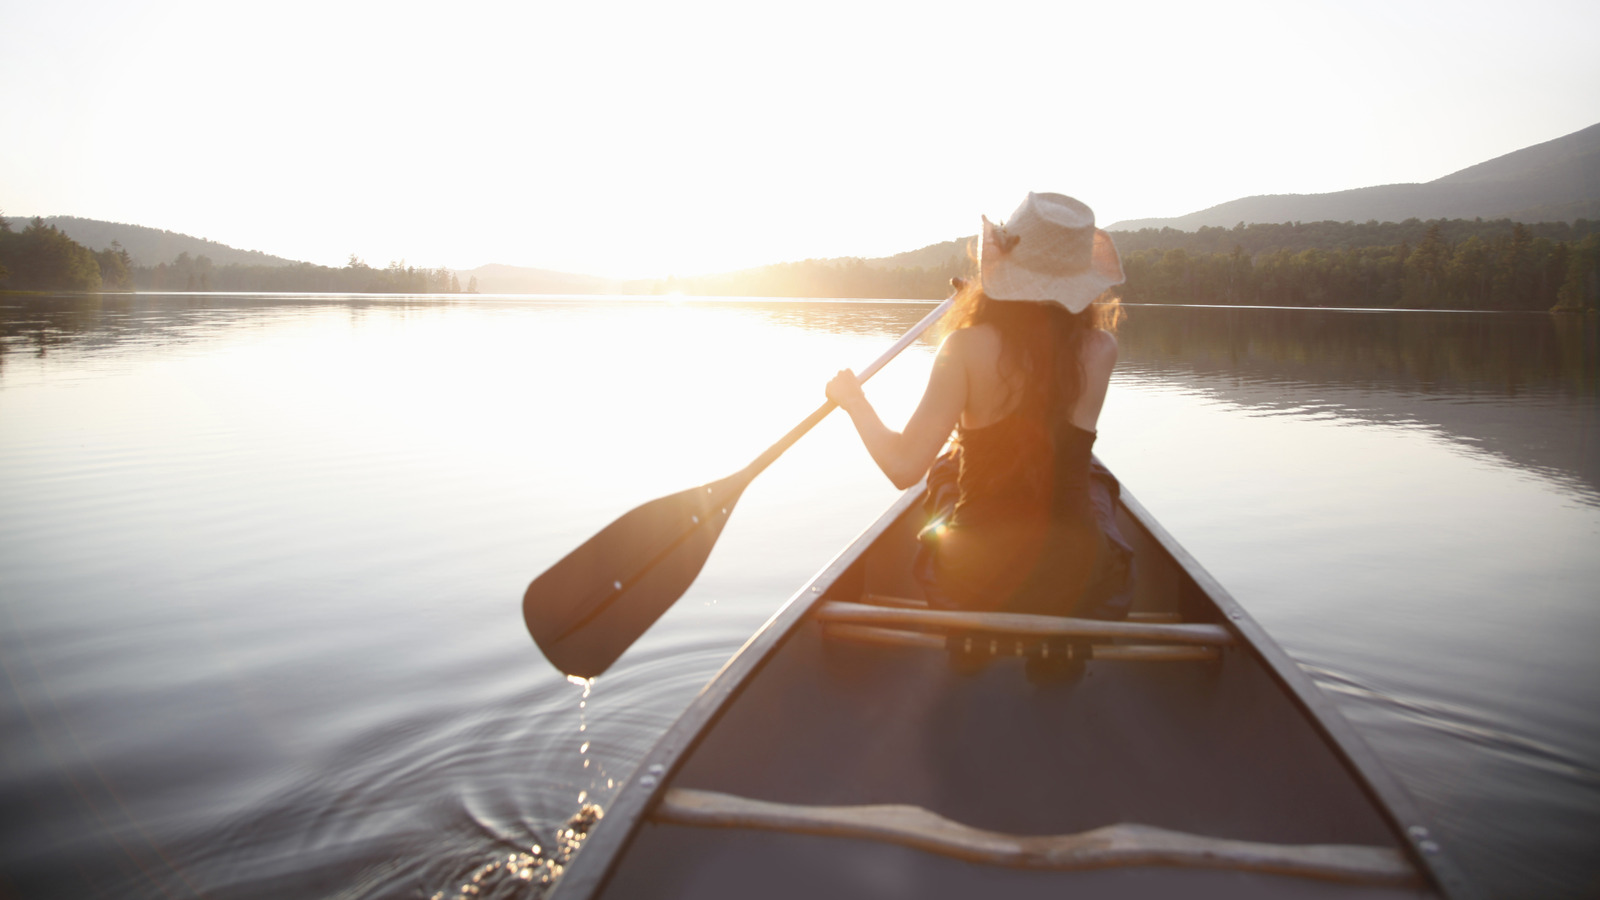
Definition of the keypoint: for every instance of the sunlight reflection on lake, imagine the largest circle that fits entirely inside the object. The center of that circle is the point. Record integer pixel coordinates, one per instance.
(261, 558)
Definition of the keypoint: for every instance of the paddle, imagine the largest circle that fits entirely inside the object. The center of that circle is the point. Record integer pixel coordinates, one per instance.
(590, 607)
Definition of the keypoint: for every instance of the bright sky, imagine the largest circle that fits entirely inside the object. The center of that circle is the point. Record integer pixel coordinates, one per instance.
(654, 138)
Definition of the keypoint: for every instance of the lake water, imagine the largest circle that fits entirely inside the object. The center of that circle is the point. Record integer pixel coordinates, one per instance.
(261, 560)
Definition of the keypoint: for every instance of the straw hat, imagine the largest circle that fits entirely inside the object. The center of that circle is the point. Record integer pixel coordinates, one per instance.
(1048, 250)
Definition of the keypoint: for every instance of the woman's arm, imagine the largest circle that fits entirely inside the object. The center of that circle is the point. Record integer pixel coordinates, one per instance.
(905, 456)
(1099, 356)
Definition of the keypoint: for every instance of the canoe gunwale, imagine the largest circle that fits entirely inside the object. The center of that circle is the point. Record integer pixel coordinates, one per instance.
(591, 868)
(1392, 801)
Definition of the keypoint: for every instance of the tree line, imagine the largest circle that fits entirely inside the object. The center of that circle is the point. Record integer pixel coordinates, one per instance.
(1440, 264)
(40, 257)
(187, 273)
(1261, 237)
(1510, 271)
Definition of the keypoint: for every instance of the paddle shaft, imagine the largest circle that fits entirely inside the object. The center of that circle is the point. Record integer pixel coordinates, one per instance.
(588, 608)
(796, 433)
(727, 493)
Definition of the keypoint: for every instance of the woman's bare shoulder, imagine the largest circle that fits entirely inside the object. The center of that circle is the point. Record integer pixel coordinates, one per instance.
(973, 343)
(1100, 342)
(1099, 349)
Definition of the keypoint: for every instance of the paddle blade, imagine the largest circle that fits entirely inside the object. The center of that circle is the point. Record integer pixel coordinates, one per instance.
(590, 607)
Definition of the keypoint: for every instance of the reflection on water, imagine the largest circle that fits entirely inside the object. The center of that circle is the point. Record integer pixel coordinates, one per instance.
(1522, 386)
(1444, 353)
(1490, 380)
(521, 874)
(1408, 502)
(260, 561)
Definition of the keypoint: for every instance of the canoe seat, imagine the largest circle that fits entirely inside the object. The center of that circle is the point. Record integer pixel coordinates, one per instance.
(1138, 615)
(1113, 845)
(1019, 633)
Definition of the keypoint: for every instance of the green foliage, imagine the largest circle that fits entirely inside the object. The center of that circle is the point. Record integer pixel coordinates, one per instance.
(1580, 288)
(116, 267)
(187, 273)
(1456, 264)
(1513, 269)
(1329, 236)
(1441, 264)
(41, 258)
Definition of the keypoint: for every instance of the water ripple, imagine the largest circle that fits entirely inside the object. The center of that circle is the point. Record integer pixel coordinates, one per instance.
(1462, 724)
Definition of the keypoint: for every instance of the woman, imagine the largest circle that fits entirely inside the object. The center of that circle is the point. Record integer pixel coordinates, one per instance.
(1015, 521)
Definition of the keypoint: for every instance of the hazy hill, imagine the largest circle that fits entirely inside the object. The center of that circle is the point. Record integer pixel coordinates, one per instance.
(944, 256)
(151, 246)
(500, 279)
(1554, 181)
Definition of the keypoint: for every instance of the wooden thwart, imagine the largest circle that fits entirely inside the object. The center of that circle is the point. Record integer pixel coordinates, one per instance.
(895, 637)
(1170, 618)
(891, 600)
(1113, 845)
(1137, 615)
(1020, 624)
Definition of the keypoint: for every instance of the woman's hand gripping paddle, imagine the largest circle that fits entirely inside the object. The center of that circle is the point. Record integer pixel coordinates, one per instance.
(589, 608)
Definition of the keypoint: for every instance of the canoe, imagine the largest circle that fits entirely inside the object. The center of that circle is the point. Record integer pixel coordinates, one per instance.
(840, 754)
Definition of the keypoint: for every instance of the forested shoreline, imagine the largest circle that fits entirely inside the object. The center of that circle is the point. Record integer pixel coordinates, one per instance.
(1496, 266)
(41, 257)
(355, 277)
(1441, 264)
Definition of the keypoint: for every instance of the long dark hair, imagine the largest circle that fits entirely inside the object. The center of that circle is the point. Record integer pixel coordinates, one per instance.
(1040, 345)
(1041, 361)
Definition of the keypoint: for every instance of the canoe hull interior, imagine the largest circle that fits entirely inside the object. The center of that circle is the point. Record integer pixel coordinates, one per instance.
(1216, 748)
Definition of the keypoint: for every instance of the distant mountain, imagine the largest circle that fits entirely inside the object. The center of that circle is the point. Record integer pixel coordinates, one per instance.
(944, 256)
(1556, 181)
(500, 279)
(151, 246)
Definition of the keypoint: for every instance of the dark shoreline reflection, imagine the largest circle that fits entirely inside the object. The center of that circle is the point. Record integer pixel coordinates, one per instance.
(1452, 353)
(42, 324)
(1520, 386)
(39, 324)
(1456, 353)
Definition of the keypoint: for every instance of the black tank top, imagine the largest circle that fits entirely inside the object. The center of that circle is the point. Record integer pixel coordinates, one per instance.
(1007, 471)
